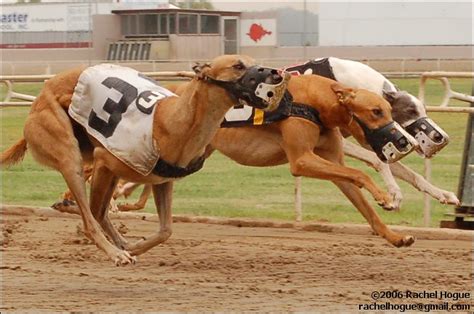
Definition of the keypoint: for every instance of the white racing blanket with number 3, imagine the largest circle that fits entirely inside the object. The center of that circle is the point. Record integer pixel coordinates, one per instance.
(116, 105)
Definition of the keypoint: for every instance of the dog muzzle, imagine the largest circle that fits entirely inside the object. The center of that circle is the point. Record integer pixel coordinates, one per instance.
(390, 142)
(430, 137)
(259, 87)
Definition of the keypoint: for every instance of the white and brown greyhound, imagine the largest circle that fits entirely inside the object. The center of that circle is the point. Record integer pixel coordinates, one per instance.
(407, 110)
(129, 127)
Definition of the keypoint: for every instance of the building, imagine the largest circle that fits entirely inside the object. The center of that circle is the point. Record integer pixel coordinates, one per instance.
(280, 32)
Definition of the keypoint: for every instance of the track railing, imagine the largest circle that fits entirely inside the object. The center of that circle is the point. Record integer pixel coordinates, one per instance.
(443, 107)
(10, 94)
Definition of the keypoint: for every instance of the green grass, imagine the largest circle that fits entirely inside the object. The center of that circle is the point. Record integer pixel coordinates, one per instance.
(224, 188)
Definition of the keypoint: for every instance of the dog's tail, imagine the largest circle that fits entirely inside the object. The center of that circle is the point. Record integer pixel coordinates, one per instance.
(14, 154)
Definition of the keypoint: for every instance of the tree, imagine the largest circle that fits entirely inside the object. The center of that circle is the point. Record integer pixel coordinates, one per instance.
(195, 4)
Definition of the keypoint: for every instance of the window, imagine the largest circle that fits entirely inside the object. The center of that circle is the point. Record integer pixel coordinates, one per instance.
(132, 26)
(163, 24)
(209, 24)
(125, 24)
(147, 24)
(188, 23)
(172, 23)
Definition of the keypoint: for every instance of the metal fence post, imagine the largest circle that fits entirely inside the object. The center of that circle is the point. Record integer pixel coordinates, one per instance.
(298, 200)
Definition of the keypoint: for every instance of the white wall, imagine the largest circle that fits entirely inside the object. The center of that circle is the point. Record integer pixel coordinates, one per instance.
(395, 23)
(264, 5)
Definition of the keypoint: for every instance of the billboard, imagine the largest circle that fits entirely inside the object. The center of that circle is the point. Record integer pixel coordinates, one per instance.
(72, 17)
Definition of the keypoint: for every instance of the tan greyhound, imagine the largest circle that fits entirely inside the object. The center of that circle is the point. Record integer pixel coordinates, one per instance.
(312, 149)
(180, 129)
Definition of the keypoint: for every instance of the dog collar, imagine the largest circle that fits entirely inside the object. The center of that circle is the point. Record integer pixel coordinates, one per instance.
(306, 112)
(166, 170)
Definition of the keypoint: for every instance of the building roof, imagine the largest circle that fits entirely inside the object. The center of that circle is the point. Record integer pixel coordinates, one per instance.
(151, 11)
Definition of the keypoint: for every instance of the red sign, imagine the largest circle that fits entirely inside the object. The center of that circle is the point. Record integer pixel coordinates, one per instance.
(256, 32)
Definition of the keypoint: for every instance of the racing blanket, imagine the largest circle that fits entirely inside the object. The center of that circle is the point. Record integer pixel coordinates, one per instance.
(116, 105)
(239, 116)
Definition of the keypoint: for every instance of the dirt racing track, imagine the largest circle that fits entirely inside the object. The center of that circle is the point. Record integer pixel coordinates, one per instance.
(49, 265)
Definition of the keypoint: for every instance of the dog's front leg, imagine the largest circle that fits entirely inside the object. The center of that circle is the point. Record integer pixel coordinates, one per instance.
(354, 194)
(102, 187)
(362, 154)
(163, 194)
(299, 141)
(358, 200)
(403, 172)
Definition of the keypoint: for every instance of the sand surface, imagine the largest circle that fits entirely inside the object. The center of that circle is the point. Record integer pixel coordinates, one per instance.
(47, 264)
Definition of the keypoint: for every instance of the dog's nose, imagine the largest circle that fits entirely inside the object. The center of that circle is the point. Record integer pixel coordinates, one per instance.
(277, 78)
(273, 77)
(437, 137)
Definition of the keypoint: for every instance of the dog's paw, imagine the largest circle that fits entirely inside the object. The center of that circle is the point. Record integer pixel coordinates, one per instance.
(399, 240)
(128, 207)
(66, 206)
(385, 201)
(405, 241)
(449, 198)
(122, 258)
(397, 198)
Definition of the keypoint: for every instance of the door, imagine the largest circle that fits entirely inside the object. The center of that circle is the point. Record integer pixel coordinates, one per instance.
(230, 28)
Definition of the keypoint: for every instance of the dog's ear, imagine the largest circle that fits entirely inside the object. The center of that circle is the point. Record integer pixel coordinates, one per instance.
(390, 96)
(343, 94)
(201, 69)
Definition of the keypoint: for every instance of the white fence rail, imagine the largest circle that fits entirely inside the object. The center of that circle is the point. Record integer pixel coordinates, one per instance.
(405, 67)
(443, 107)
(10, 94)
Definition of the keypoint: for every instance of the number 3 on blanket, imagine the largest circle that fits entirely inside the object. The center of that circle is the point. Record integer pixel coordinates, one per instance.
(145, 103)
(115, 109)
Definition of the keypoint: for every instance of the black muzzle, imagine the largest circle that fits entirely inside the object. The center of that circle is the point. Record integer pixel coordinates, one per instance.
(390, 142)
(259, 87)
(429, 136)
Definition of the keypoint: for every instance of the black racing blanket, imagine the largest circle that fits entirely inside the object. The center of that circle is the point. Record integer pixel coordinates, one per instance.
(320, 67)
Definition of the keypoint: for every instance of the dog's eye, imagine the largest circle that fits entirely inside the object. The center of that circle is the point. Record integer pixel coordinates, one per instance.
(377, 112)
(239, 66)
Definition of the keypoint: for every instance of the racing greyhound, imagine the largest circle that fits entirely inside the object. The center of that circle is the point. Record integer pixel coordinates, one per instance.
(304, 133)
(407, 110)
(127, 126)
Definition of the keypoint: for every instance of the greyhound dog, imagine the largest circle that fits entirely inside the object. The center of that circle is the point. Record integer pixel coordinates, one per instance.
(129, 127)
(407, 110)
(308, 138)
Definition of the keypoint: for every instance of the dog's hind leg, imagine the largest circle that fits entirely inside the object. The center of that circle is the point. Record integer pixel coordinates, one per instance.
(162, 194)
(50, 137)
(125, 189)
(140, 204)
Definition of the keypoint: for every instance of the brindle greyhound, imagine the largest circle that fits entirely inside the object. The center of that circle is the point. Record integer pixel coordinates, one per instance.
(315, 150)
(181, 129)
